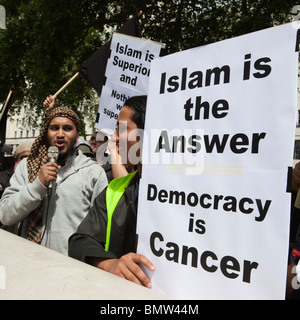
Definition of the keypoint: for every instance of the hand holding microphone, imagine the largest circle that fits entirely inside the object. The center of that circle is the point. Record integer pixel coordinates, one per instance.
(48, 172)
(52, 158)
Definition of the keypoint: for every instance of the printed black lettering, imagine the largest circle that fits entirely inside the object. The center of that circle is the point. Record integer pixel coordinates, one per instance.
(216, 72)
(209, 261)
(257, 207)
(239, 142)
(230, 263)
(248, 267)
(261, 65)
(194, 79)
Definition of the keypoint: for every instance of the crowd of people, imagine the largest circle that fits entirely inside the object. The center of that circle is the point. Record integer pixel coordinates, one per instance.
(87, 209)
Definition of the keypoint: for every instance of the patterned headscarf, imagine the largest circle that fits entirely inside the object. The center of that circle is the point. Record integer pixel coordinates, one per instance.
(39, 157)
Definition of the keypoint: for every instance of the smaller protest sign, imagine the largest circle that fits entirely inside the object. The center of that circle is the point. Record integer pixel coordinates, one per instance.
(127, 74)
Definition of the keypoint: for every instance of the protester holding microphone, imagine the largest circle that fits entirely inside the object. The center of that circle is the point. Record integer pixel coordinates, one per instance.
(46, 216)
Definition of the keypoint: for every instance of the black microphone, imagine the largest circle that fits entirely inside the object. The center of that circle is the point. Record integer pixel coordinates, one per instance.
(52, 157)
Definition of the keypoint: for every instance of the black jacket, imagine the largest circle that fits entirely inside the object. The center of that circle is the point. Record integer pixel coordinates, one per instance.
(4, 179)
(89, 239)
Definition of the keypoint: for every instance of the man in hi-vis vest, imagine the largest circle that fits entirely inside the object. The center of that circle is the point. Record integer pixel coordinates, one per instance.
(106, 238)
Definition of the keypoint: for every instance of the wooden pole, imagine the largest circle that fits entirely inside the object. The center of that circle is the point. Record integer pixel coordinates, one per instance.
(65, 85)
(5, 104)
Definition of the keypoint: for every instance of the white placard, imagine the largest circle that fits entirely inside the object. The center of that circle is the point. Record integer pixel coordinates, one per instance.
(218, 227)
(127, 74)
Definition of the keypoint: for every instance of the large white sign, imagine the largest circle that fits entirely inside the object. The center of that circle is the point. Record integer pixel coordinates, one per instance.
(127, 74)
(213, 212)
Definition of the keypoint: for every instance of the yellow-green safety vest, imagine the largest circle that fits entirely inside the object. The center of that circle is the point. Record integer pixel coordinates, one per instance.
(114, 192)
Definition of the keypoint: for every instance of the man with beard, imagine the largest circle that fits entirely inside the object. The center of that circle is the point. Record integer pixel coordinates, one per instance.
(49, 215)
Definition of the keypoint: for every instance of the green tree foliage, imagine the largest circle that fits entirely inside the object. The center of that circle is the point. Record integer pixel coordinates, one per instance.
(44, 41)
(184, 24)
